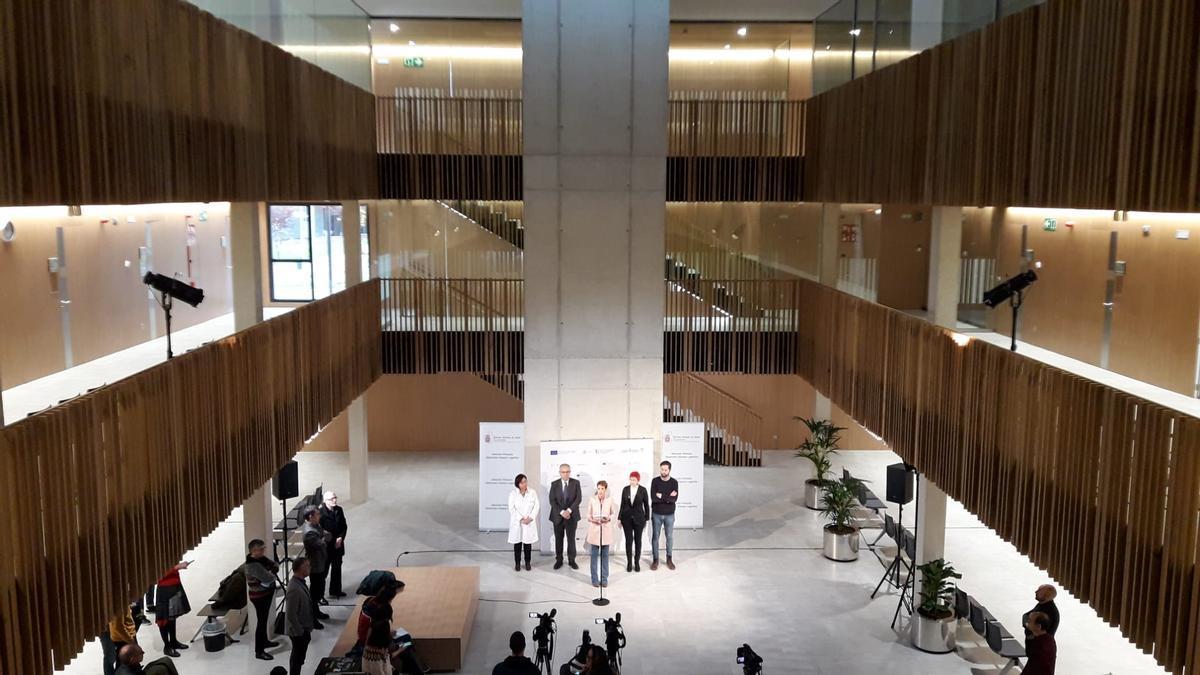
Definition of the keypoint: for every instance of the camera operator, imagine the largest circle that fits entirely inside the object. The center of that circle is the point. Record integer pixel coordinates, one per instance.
(518, 663)
(598, 663)
(578, 663)
(614, 639)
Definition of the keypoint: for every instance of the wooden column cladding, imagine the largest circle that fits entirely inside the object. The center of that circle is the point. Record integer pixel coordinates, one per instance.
(141, 101)
(1072, 103)
(115, 485)
(1098, 487)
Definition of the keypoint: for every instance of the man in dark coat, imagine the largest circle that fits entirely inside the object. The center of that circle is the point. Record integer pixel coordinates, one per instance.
(518, 663)
(316, 549)
(333, 521)
(565, 495)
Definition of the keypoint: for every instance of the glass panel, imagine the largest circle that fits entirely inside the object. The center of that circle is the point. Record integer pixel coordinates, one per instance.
(365, 244)
(863, 33)
(833, 47)
(1013, 6)
(964, 16)
(329, 258)
(291, 281)
(289, 232)
(893, 32)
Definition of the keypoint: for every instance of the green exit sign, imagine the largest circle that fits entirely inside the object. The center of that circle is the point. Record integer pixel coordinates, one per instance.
(1050, 224)
(414, 62)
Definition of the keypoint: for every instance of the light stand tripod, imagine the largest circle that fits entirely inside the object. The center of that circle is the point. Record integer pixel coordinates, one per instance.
(908, 592)
(165, 301)
(1015, 301)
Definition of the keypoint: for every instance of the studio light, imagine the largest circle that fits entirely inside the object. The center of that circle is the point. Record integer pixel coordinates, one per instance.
(1005, 289)
(174, 288)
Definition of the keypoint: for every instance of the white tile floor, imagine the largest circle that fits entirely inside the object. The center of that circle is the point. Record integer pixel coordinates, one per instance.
(754, 575)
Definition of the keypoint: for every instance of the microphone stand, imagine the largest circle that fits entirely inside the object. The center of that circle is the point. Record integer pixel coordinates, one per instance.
(601, 601)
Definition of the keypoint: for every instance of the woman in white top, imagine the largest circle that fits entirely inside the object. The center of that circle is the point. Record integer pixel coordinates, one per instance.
(523, 506)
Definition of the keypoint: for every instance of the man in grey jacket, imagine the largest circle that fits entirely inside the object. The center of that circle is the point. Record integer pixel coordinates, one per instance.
(316, 547)
(300, 621)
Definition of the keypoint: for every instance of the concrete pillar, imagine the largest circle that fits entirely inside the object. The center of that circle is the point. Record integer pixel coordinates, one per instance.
(945, 265)
(595, 122)
(352, 242)
(246, 248)
(931, 521)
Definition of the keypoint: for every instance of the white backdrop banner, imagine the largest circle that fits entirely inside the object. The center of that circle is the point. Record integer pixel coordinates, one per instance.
(501, 458)
(608, 460)
(683, 447)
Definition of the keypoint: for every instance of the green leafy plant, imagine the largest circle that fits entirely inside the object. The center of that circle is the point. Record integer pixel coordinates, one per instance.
(937, 589)
(838, 500)
(819, 447)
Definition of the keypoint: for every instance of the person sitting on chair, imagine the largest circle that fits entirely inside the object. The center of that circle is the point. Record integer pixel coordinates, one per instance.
(517, 663)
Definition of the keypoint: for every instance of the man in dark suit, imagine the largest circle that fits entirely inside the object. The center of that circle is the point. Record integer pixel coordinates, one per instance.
(565, 495)
(333, 521)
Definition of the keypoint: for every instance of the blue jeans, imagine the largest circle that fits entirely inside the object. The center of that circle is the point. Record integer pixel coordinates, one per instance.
(662, 521)
(600, 553)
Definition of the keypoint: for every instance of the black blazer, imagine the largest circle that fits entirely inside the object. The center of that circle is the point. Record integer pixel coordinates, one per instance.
(560, 501)
(635, 511)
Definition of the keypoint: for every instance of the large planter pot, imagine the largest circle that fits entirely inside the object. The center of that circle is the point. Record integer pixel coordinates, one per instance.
(841, 547)
(935, 636)
(812, 494)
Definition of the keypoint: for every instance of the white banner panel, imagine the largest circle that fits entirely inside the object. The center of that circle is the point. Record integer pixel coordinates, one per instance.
(683, 447)
(608, 460)
(501, 458)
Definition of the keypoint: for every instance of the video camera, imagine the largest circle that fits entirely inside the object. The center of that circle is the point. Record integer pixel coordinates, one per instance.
(614, 639)
(576, 665)
(543, 636)
(751, 663)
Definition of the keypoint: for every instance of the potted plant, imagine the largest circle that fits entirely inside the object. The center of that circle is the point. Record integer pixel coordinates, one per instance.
(838, 499)
(818, 448)
(933, 624)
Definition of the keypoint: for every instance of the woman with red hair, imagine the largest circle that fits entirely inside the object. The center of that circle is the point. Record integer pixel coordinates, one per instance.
(635, 511)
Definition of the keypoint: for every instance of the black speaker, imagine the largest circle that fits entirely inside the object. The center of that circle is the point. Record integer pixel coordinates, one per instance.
(901, 482)
(286, 483)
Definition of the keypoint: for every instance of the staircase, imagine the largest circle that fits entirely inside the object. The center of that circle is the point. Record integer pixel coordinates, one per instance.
(485, 214)
(732, 430)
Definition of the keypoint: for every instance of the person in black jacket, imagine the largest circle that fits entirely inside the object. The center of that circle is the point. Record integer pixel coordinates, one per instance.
(635, 511)
(333, 521)
(665, 492)
(565, 495)
(518, 663)
(1044, 595)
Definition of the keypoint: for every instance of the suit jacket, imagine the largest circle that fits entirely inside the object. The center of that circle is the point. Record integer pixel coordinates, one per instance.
(298, 609)
(334, 522)
(560, 501)
(635, 511)
(316, 547)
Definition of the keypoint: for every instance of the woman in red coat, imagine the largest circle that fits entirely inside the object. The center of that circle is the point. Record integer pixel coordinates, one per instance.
(170, 603)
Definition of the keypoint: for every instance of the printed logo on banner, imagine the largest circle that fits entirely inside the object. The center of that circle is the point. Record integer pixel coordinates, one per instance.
(487, 438)
(667, 438)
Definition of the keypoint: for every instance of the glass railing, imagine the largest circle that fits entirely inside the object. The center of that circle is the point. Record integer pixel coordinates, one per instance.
(332, 34)
(856, 37)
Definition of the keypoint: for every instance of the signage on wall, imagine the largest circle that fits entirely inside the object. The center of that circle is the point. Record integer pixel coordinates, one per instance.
(414, 62)
(1050, 224)
(849, 233)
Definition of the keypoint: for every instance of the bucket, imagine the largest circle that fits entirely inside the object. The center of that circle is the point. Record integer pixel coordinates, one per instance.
(214, 635)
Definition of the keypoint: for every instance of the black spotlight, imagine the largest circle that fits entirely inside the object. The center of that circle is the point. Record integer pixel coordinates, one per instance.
(1011, 289)
(174, 288)
(1008, 287)
(171, 289)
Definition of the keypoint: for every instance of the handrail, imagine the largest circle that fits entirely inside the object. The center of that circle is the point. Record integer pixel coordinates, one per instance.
(734, 423)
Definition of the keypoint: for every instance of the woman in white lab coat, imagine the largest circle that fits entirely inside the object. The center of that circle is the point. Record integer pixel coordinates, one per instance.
(523, 507)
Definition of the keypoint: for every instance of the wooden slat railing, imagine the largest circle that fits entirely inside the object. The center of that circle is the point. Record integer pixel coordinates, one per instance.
(734, 430)
(115, 485)
(1098, 487)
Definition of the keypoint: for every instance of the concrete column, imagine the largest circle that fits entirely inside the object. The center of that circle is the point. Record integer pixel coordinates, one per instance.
(931, 521)
(352, 242)
(246, 249)
(595, 123)
(945, 265)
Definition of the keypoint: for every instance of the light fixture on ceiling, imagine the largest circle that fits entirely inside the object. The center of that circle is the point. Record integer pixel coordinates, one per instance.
(856, 32)
(394, 27)
(742, 31)
(878, 211)
(411, 43)
(726, 47)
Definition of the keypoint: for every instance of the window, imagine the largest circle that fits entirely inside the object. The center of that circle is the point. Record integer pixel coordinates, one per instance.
(307, 258)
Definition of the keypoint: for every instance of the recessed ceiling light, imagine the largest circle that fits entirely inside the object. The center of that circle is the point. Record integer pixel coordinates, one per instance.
(828, 47)
(382, 61)
(742, 31)
(726, 46)
(856, 32)
(878, 211)
(394, 27)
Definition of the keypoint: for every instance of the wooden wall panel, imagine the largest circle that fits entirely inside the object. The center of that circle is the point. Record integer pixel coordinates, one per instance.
(160, 458)
(1072, 103)
(141, 101)
(1096, 486)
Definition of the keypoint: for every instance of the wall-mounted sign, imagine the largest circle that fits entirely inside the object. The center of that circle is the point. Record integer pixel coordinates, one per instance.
(414, 62)
(849, 233)
(1050, 224)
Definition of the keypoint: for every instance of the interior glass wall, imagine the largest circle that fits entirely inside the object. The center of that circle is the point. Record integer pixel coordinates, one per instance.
(308, 261)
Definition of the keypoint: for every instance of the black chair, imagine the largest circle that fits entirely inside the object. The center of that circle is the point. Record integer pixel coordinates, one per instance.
(1006, 647)
(980, 617)
(962, 604)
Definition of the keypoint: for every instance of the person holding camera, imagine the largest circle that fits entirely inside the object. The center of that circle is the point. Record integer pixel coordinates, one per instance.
(635, 511)
(517, 663)
(600, 531)
(523, 507)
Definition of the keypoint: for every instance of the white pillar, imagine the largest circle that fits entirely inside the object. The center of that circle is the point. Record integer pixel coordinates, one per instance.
(246, 221)
(352, 242)
(931, 521)
(356, 413)
(945, 265)
(595, 123)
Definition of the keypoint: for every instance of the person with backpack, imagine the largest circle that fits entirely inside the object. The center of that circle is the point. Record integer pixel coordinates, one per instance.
(260, 571)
